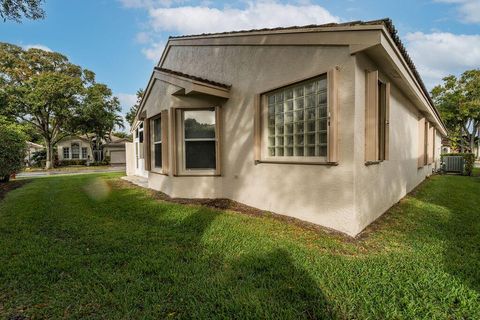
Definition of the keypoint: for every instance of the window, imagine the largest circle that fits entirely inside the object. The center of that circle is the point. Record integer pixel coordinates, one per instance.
(84, 153)
(199, 139)
(298, 120)
(377, 105)
(197, 150)
(297, 123)
(140, 140)
(75, 151)
(66, 153)
(382, 121)
(157, 142)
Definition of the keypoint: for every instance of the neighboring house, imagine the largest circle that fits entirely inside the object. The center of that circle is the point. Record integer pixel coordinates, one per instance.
(446, 145)
(79, 148)
(330, 124)
(31, 149)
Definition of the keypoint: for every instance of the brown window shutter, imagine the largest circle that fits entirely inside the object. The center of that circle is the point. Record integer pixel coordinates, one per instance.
(421, 142)
(431, 140)
(218, 140)
(387, 121)
(173, 128)
(332, 101)
(257, 128)
(147, 144)
(165, 156)
(371, 116)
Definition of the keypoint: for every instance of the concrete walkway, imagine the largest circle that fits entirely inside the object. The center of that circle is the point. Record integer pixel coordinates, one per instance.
(38, 174)
(139, 181)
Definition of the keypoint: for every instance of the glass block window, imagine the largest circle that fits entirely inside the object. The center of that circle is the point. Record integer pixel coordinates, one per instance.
(84, 153)
(157, 142)
(200, 139)
(66, 152)
(298, 120)
(75, 151)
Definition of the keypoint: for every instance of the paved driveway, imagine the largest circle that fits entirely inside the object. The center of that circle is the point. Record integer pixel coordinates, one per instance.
(36, 174)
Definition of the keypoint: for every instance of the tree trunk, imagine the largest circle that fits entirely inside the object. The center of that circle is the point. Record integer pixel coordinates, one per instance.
(49, 162)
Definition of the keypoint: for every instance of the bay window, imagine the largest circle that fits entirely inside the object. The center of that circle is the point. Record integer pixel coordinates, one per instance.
(158, 140)
(198, 150)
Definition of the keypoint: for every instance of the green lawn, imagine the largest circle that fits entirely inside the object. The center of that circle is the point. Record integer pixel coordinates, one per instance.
(89, 246)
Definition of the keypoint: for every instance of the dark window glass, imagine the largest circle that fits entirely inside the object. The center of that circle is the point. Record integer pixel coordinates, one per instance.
(200, 139)
(200, 124)
(157, 130)
(140, 138)
(158, 155)
(200, 155)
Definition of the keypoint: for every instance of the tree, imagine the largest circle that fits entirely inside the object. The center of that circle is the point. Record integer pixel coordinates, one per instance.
(130, 117)
(458, 100)
(12, 148)
(98, 115)
(43, 89)
(15, 9)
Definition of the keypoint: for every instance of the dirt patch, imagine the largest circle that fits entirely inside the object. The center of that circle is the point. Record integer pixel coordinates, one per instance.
(11, 185)
(231, 205)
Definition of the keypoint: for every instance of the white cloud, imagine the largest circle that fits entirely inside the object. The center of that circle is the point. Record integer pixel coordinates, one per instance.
(204, 19)
(468, 9)
(154, 52)
(438, 54)
(37, 46)
(142, 37)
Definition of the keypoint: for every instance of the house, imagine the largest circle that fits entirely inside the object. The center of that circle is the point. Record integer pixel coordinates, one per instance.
(330, 124)
(32, 148)
(446, 146)
(80, 149)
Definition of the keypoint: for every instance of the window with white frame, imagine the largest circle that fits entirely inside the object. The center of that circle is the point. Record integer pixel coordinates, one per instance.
(66, 152)
(140, 140)
(84, 153)
(297, 120)
(156, 138)
(75, 150)
(199, 139)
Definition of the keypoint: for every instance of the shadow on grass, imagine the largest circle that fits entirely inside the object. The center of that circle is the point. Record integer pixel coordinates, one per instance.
(129, 256)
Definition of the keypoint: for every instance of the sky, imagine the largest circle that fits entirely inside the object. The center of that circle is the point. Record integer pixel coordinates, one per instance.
(121, 40)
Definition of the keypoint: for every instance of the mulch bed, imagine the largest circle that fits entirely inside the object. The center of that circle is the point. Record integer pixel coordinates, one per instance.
(11, 185)
(231, 205)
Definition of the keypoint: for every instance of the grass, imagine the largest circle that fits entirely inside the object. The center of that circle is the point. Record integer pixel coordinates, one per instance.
(90, 246)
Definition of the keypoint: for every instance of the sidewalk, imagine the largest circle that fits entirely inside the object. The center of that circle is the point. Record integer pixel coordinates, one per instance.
(70, 171)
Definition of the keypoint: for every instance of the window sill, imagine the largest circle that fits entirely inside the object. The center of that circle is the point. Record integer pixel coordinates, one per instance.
(370, 163)
(159, 173)
(197, 175)
(318, 163)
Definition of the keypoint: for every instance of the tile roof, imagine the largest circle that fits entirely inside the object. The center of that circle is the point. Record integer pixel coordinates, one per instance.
(387, 23)
(184, 75)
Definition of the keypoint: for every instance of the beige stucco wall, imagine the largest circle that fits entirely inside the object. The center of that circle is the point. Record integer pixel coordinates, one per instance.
(316, 193)
(68, 143)
(130, 158)
(379, 186)
(346, 197)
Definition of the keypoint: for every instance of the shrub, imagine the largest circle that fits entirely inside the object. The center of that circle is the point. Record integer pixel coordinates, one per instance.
(39, 157)
(76, 162)
(13, 148)
(469, 161)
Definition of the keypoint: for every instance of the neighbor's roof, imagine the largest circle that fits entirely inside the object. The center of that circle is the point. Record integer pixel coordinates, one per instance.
(387, 23)
(195, 78)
